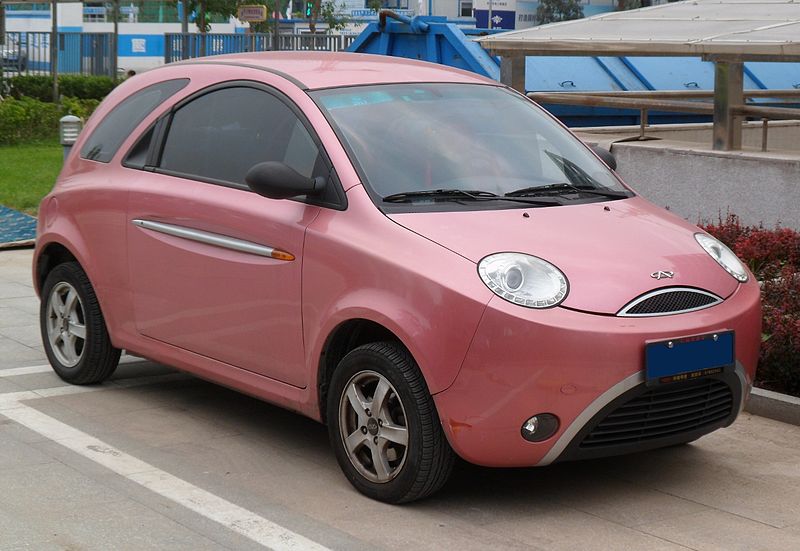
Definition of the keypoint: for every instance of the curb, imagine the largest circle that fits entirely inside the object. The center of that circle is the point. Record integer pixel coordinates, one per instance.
(774, 405)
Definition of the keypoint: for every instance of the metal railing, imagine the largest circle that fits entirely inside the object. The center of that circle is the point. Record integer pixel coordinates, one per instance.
(178, 46)
(78, 53)
(679, 101)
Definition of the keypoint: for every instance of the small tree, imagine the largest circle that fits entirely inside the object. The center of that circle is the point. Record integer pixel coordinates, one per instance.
(332, 15)
(551, 11)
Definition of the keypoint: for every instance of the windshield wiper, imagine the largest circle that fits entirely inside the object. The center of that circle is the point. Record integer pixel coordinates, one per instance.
(560, 188)
(462, 194)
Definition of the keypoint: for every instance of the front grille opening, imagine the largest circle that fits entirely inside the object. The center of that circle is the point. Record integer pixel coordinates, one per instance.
(663, 412)
(674, 300)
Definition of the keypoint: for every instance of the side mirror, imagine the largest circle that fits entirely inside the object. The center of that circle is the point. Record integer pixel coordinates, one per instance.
(278, 181)
(606, 155)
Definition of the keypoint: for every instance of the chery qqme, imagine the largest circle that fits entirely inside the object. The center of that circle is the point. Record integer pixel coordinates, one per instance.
(421, 258)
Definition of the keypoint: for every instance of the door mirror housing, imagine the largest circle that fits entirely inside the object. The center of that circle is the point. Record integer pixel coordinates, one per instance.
(276, 180)
(606, 155)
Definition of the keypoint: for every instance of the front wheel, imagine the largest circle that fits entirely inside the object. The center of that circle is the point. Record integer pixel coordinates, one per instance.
(74, 332)
(383, 425)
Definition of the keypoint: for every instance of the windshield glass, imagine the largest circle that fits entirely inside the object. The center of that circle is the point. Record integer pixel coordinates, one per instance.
(427, 136)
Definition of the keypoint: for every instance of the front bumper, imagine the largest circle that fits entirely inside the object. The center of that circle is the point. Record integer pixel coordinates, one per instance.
(579, 367)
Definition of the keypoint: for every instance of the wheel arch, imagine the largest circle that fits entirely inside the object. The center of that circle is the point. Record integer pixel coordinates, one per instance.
(347, 336)
(51, 255)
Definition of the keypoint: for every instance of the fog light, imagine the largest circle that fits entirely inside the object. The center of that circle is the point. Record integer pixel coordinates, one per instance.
(540, 427)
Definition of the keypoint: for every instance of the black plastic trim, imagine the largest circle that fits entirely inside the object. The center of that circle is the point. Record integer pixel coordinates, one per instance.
(574, 451)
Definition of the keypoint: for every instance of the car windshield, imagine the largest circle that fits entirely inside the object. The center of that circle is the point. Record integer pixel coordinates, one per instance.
(417, 137)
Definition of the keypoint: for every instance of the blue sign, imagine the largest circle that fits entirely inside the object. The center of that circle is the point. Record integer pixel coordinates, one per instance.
(501, 19)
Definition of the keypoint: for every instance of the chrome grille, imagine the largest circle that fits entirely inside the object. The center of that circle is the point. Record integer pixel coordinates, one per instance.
(672, 300)
(663, 412)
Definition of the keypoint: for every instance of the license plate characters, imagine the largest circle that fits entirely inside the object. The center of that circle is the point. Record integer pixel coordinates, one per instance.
(688, 358)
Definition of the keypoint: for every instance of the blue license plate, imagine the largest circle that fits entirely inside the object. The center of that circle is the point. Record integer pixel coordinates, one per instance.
(687, 358)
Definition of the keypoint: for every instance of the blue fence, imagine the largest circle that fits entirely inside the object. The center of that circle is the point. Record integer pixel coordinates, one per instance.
(78, 53)
(178, 46)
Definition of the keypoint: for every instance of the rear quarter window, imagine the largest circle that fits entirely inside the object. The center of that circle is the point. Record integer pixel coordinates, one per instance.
(117, 125)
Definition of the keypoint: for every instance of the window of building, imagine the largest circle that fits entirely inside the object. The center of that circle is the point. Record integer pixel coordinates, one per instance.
(465, 8)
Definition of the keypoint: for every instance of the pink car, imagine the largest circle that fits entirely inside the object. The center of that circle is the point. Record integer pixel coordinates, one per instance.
(421, 258)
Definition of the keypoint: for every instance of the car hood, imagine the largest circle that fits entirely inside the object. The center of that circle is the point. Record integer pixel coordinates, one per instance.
(607, 250)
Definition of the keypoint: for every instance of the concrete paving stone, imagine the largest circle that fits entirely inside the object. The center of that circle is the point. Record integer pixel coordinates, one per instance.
(125, 525)
(7, 385)
(249, 496)
(17, 454)
(245, 415)
(232, 458)
(159, 425)
(29, 335)
(33, 489)
(337, 504)
(704, 472)
(18, 533)
(719, 530)
(28, 304)
(14, 317)
(12, 289)
(35, 381)
(559, 528)
(111, 401)
(121, 525)
(622, 502)
(11, 430)
(14, 354)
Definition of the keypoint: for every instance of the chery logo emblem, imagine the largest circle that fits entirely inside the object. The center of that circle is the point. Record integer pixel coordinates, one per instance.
(661, 274)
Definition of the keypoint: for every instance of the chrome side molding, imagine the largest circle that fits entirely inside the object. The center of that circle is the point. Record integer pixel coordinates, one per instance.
(214, 239)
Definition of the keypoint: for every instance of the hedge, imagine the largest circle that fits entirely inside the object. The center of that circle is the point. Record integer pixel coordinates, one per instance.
(27, 119)
(773, 255)
(74, 86)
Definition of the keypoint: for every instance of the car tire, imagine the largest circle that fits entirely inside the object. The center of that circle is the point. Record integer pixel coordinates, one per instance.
(368, 442)
(74, 332)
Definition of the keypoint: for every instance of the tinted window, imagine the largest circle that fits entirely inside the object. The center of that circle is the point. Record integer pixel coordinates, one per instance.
(120, 122)
(222, 134)
(416, 137)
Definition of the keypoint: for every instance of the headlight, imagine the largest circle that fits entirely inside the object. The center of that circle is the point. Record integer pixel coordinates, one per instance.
(523, 279)
(723, 255)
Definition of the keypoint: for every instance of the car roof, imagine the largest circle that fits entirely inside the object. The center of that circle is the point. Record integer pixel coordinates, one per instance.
(315, 70)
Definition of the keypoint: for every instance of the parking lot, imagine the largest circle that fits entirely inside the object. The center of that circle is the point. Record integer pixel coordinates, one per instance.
(160, 459)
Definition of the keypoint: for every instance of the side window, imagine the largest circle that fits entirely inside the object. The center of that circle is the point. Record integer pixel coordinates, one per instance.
(121, 121)
(223, 134)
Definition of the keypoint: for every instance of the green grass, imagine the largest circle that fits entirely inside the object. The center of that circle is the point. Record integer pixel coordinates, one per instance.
(27, 173)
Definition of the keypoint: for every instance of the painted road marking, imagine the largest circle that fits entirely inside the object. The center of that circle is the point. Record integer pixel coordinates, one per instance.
(211, 506)
(17, 371)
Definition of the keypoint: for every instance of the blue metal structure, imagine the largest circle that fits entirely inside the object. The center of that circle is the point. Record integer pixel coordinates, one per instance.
(428, 38)
(434, 39)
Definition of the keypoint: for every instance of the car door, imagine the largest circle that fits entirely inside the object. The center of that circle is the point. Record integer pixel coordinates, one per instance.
(216, 269)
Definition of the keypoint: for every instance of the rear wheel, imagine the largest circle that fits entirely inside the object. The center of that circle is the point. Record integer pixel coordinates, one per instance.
(74, 332)
(383, 425)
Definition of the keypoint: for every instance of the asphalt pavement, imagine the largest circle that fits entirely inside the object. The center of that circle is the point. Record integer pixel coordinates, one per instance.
(157, 459)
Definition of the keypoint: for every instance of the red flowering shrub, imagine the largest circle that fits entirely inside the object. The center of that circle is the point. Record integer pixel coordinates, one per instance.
(779, 364)
(729, 230)
(774, 257)
(768, 251)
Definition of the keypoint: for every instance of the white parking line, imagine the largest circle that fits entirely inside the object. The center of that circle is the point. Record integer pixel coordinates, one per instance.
(213, 507)
(17, 371)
